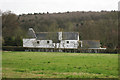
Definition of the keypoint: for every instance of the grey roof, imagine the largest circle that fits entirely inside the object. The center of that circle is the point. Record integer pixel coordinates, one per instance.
(54, 35)
(70, 35)
(47, 36)
(91, 43)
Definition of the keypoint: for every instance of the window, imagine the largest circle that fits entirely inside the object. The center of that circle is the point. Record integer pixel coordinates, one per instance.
(37, 42)
(48, 42)
(67, 41)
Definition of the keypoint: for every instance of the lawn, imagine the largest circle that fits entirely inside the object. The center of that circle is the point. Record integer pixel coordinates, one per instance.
(59, 65)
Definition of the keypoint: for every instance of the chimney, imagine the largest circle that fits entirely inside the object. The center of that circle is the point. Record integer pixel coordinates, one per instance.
(32, 32)
(59, 35)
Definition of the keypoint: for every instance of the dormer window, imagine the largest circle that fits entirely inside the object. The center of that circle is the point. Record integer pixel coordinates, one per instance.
(67, 42)
(38, 42)
(48, 42)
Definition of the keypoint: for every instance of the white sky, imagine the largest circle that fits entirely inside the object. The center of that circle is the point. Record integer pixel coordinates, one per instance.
(31, 6)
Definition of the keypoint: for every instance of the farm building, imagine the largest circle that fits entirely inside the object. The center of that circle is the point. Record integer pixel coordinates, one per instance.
(58, 40)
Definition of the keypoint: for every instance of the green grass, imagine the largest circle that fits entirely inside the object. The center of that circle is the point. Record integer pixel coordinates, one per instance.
(59, 65)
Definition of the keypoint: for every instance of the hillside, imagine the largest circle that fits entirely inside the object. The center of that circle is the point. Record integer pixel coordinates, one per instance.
(91, 25)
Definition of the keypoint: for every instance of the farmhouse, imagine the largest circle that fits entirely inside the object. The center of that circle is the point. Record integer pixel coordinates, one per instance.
(58, 40)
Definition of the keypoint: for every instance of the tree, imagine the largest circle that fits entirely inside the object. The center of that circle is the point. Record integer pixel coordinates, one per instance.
(10, 28)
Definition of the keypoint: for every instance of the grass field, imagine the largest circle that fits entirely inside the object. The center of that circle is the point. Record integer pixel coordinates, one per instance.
(59, 65)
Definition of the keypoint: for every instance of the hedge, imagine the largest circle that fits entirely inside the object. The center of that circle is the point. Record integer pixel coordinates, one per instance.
(20, 48)
(13, 48)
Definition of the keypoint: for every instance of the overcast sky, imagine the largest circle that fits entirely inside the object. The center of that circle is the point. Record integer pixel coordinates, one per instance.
(31, 6)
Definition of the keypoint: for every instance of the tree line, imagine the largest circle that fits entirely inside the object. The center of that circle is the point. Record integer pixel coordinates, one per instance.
(101, 26)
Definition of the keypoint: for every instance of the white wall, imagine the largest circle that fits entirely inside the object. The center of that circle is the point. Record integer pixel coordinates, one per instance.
(71, 44)
(28, 42)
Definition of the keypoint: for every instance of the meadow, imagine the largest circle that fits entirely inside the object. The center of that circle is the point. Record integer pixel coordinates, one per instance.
(59, 65)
